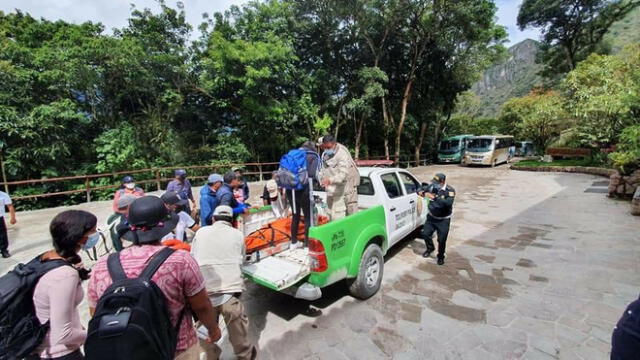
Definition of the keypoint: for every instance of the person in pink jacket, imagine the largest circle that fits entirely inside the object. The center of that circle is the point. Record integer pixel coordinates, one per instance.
(59, 292)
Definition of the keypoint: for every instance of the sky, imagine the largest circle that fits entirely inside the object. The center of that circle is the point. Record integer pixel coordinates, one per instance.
(114, 13)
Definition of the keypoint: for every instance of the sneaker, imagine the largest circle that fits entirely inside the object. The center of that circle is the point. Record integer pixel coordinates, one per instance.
(440, 261)
(294, 246)
(427, 253)
(5, 254)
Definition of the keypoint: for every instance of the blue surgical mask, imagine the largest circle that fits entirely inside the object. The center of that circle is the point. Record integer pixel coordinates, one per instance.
(330, 152)
(92, 241)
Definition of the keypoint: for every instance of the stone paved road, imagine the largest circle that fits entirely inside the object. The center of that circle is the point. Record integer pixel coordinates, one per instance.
(537, 268)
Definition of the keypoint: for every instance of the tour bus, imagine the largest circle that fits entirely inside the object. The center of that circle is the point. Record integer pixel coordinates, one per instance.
(489, 150)
(451, 150)
(525, 148)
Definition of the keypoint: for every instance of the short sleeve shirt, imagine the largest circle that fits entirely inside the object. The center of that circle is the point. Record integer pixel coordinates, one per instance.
(185, 221)
(179, 277)
(4, 200)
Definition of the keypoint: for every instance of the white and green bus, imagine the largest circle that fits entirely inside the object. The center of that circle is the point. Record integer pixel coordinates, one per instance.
(451, 149)
(489, 150)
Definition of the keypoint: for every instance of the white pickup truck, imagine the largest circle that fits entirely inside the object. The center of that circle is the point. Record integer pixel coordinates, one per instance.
(351, 248)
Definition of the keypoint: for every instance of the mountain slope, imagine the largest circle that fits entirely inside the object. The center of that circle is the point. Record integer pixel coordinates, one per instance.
(624, 32)
(514, 77)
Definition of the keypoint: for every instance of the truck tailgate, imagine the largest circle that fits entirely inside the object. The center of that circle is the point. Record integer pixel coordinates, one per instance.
(280, 271)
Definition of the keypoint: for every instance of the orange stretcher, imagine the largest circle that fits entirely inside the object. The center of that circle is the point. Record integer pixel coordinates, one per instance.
(275, 233)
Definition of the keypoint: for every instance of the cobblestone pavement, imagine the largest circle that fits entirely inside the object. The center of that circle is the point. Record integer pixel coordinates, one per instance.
(539, 266)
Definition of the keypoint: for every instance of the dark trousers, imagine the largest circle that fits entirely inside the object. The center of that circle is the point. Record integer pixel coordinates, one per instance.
(302, 202)
(4, 238)
(442, 228)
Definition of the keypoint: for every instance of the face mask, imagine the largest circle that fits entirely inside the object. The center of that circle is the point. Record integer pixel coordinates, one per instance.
(330, 152)
(130, 186)
(92, 240)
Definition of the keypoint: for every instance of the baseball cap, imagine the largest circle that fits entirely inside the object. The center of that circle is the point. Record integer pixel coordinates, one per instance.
(214, 178)
(128, 179)
(440, 177)
(272, 188)
(237, 169)
(181, 172)
(173, 198)
(125, 201)
(223, 210)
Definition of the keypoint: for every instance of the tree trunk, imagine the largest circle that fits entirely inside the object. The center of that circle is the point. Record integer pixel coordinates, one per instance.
(403, 117)
(358, 137)
(387, 127)
(423, 131)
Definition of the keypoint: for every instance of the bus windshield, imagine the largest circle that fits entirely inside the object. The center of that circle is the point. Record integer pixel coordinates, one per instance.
(480, 144)
(449, 145)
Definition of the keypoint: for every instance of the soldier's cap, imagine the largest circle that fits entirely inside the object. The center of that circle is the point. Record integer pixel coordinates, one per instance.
(440, 177)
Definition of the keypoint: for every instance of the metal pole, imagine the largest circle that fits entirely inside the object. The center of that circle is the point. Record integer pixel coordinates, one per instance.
(158, 179)
(88, 187)
(4, 174)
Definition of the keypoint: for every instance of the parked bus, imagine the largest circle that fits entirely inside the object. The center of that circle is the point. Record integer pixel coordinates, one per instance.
(488, 150)
(525, 148)
(451, 150)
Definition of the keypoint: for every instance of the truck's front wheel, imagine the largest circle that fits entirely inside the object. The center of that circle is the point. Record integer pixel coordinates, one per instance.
(369, 278)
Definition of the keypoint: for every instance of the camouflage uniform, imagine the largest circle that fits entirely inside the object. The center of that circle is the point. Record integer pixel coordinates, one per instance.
(343, 176)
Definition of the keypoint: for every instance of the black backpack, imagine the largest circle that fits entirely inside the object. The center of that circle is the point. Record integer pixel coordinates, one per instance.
(131, 319)
(20, 330)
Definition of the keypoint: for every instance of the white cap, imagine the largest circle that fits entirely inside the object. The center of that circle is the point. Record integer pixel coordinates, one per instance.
(223, 210)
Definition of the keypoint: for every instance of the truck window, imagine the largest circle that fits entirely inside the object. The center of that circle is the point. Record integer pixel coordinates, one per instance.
(391, 185)
(365, 187)
(411, 185)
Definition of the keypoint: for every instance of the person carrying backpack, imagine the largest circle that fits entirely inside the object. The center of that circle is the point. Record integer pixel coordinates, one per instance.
(298, 168)
(141, 298)
(39, 318)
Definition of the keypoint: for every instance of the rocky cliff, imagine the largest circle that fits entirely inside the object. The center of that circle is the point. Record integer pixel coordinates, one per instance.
(513, 77)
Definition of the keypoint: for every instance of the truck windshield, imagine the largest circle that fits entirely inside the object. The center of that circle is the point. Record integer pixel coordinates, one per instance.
(449, 146)
(479, 145)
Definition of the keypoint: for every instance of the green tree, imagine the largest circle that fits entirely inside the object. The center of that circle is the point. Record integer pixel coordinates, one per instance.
(539, 117)
(571, 30)
(603, 95)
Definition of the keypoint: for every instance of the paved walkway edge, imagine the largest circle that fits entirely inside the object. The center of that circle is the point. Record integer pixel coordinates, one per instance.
(568, 169)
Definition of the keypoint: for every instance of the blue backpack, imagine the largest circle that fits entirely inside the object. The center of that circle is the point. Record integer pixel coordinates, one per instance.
(292, 174)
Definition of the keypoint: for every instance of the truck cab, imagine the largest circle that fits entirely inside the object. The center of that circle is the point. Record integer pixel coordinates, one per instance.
(351, 248)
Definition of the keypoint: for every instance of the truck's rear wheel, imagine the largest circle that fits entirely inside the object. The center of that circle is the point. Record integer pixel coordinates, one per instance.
(370, 272)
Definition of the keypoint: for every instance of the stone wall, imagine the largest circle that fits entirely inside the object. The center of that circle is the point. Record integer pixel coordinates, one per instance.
(635, 203)
(624, 186)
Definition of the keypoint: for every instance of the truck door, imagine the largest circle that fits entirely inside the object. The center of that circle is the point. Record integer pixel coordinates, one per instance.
(411, 186)
(398, 208)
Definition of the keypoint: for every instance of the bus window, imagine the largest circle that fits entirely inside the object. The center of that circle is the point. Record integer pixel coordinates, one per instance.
(449, 145)
(479, 144)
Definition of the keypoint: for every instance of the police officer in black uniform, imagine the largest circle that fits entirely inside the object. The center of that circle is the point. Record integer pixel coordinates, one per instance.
(442, 196)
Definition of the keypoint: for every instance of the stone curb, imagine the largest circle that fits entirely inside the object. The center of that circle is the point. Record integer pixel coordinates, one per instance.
(568, 169)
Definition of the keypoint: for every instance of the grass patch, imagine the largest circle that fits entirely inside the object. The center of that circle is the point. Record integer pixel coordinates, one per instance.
(560, 162)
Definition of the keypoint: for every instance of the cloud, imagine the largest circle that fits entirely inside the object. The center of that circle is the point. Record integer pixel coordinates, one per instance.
(508, 15)
(112, 14)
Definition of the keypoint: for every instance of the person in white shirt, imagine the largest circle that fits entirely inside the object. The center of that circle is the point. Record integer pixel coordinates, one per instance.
(5, 200)
(175, 203)
(219, 249)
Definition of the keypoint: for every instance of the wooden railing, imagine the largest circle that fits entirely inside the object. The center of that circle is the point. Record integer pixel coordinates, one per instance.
(85, 184)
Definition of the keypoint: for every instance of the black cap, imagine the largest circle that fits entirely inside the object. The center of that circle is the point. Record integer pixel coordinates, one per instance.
(127, 179)
(173, 198)
(149, 220)
(440, 177)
